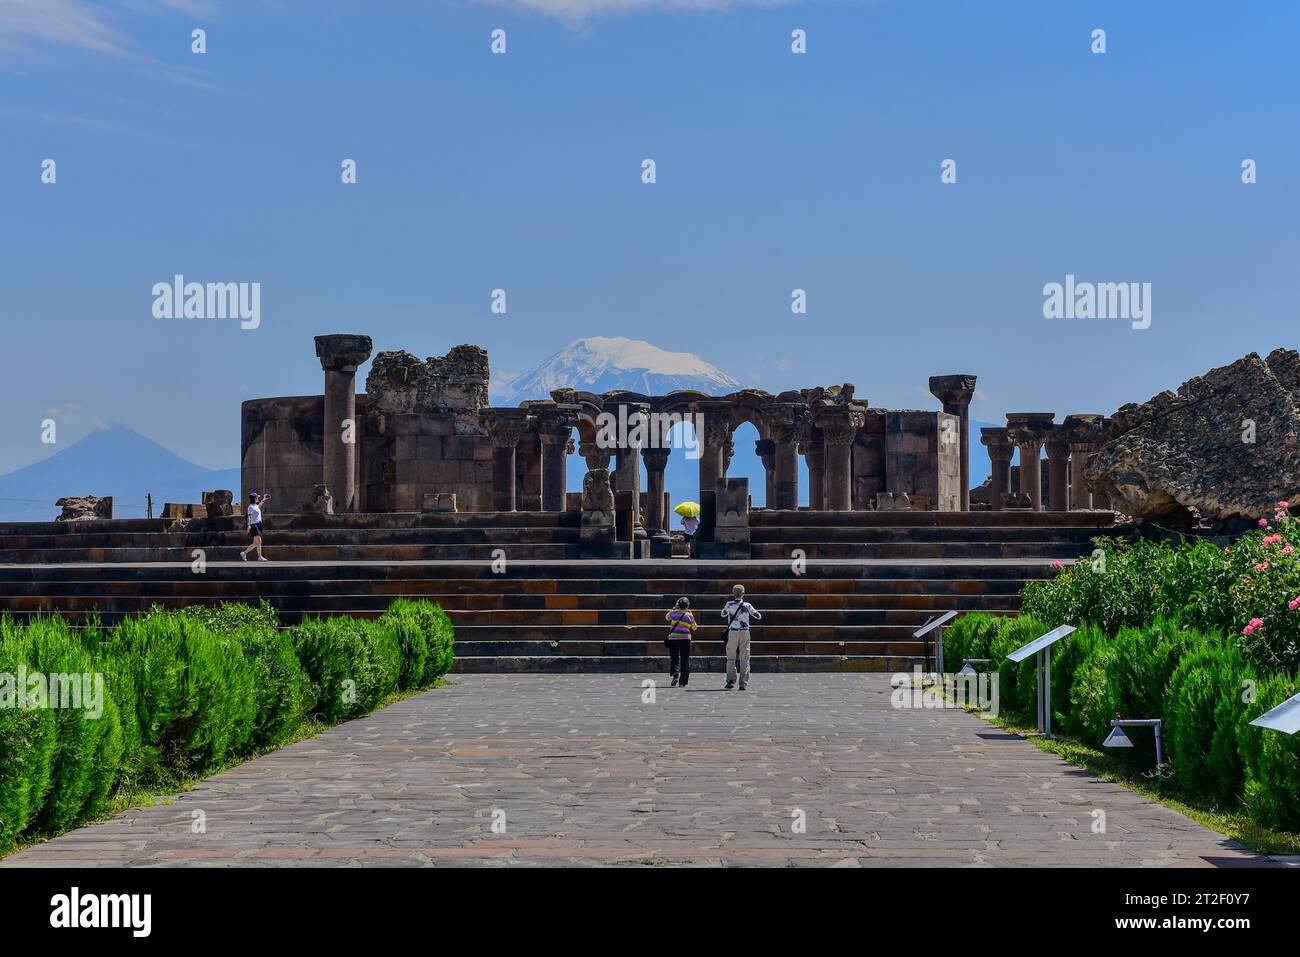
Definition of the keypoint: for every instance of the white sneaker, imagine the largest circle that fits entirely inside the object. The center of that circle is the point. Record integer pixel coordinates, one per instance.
(263, 558)
(243, 557)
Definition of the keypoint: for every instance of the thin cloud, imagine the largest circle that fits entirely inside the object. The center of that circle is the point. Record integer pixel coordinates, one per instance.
(26, 25)
(579, 12)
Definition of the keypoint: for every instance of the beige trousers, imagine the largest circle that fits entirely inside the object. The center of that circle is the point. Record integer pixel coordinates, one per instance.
(738, 647)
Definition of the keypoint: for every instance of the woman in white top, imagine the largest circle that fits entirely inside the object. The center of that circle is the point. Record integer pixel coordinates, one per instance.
(255, 503)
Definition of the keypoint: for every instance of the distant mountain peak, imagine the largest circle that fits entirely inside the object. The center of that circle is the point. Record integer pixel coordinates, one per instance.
(608, 363)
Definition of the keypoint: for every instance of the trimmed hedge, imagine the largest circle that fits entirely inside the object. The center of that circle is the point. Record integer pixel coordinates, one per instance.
(1202, 685)
(182, 692)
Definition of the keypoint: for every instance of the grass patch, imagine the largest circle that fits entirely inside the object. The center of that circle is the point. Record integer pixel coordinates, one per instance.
(1235, 824)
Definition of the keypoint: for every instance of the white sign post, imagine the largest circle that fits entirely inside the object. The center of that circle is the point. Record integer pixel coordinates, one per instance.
(1042, 647)
(935, 625)
(1285, 718)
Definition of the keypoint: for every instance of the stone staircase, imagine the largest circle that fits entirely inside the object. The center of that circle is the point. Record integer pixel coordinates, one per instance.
(868, 580)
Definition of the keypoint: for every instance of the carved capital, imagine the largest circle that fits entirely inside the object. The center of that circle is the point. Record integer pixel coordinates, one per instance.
(505, 426)
(656, 460)
(952, 389)
(344, 352)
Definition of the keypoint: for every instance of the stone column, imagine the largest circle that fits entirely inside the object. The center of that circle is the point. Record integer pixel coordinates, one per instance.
(627, 477)
(813, 448)
(765, 449)
(839, 428)
(717, 432)
(955, 392)
(656, 460)
(1084, 432)
(1058, 469)
(340, 355)
(787, 421)
(506, 427)
(1000, 452)
(555, 424)
(1027, 430)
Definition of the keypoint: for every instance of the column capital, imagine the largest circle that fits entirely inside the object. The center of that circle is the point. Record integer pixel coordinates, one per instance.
(997, 441)
(953, 389)
(594, 455)
(555, 421)
(656, 460)
(1084, 428)
(839, 425)
(343, 352)
(505, 426)
(787, 420)
(1028, 429)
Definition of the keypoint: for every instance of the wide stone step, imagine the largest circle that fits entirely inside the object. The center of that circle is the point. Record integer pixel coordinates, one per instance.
(901, 550)
(631, 576)
(759, 518)
(598, 632)
(362, 522)
(940, 534)
(623, 648)
(297, 553)
(710, 664)
(238, 539)
(1001, 595)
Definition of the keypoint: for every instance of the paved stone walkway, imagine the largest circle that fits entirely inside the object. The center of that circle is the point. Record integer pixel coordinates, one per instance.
(584, 772)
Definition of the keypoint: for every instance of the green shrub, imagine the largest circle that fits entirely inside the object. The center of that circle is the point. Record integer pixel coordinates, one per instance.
(280, 684)
(194, 691)
(1203, 712)
(28, 743)
(351, 663)
(1271, 760)
(427, 639)
(89, 729)
(1246, 590)
(969, 636)
(1017, 683)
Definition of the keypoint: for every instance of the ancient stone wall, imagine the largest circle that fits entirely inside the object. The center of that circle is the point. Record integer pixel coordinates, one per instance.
(919, 462)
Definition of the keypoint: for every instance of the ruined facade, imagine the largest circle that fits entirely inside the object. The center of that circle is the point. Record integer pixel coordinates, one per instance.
(423, 430)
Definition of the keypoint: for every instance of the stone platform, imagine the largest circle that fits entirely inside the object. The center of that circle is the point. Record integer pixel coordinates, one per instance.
(581, 770)
(838, 591)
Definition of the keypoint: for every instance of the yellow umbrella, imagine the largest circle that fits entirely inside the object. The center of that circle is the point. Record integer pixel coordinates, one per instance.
(688, 510)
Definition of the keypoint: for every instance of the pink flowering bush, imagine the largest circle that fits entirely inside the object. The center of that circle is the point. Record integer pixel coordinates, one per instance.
(1250, 590)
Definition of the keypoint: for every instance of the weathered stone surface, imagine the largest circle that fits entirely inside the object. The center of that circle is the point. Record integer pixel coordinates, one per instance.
(893, 502)
(321, 501)
(81, 508)
(439, 502)
(455, 384)
(219, 502)
(1188, 454)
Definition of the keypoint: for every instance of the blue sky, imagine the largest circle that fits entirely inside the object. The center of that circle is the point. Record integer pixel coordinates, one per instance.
(522, 171)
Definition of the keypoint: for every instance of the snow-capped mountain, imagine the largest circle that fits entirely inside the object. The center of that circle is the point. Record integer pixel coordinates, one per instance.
(604, 364)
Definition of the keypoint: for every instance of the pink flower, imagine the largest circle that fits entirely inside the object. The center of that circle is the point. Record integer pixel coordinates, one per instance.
(1262, 566)
(1263, 523)
(1288, 550)
(1294, 603)
(1271, 539)
(1283, 504)
(1057, 565)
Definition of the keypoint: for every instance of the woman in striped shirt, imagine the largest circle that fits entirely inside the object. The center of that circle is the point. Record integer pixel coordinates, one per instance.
(681, 626)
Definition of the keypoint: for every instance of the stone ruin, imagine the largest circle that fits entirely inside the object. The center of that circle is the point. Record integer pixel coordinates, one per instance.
(425, 428)
(84, 508)
(1223, 448)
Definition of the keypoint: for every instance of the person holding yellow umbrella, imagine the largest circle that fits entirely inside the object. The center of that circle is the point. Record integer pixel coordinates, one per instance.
(690, 513)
